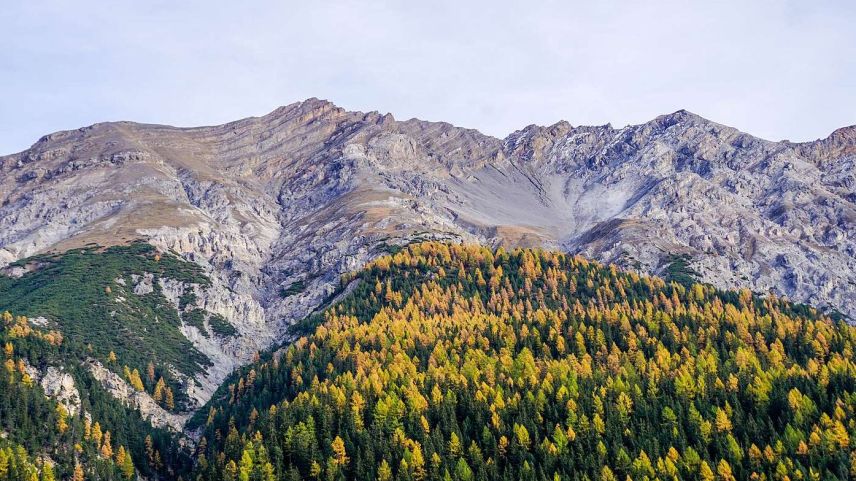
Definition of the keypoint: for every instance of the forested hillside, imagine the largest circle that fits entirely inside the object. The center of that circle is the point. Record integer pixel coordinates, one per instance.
(65, 316)
(112, 301)
(93, 436)
(455, 362)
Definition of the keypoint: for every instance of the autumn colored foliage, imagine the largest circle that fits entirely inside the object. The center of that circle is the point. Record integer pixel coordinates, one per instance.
(42, 439)
(461, 362)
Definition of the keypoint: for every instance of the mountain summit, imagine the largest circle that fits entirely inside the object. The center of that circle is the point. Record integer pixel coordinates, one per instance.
(275, 208)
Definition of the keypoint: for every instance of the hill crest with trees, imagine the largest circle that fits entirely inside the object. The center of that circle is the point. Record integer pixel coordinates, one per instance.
(461, 362)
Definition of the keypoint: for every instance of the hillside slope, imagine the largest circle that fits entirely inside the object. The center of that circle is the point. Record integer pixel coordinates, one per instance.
(136, 309)
(459, 362)
(274, 209)
(59, 421)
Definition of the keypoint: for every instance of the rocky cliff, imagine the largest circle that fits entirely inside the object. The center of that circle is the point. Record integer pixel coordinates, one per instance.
(275, 208)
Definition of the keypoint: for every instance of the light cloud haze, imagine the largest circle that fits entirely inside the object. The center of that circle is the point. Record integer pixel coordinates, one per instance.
(776, 69)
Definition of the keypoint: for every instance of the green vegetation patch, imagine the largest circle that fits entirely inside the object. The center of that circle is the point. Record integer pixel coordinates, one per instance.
(678, 269)
(78, 290)
(195, 318)
(221, 326)
(295, 288)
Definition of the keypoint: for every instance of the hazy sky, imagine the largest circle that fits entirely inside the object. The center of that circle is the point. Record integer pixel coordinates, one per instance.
(777, 69)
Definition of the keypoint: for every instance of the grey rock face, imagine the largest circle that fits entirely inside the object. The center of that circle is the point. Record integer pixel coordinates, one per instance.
(310, 191)
(58, 385)
(139, 400)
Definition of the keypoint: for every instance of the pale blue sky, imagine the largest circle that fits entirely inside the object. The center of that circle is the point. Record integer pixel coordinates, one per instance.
(777, 69)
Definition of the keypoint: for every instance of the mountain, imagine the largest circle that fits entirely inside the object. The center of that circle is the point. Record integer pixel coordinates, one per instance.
(462, 362)
(273, 210)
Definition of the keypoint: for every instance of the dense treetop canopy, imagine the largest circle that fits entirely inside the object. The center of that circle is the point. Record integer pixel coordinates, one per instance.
(462, 362)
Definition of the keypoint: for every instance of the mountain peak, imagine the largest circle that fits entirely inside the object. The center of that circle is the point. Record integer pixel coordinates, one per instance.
(681, 116)
(844, 134)
(313, 107)
(840, 143)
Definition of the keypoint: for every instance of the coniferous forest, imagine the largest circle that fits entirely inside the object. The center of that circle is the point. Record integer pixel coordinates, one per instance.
(86, 317)
(451, 362)
(44, 439)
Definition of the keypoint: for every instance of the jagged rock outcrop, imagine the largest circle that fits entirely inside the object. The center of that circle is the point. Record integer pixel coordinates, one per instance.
(310, 191)
(140, 400)
(58, 385)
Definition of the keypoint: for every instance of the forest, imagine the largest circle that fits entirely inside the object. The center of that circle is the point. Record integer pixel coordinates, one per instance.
(43, 439)
(459, 362)
(451, 362)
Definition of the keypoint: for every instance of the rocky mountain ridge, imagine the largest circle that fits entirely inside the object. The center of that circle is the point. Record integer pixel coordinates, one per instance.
(275, 208)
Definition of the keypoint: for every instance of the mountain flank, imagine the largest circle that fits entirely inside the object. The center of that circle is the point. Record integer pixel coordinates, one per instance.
(272, 210)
